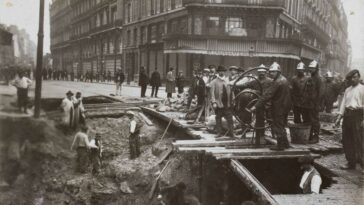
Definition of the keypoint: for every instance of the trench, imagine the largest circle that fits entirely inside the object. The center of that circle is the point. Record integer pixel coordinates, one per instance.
(211, 181)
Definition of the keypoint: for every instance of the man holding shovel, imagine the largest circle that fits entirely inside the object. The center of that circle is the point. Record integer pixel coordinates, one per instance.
(134, 141)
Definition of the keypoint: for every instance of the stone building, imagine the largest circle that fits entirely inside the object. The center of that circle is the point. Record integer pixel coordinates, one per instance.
(6, 48)
(188, 34)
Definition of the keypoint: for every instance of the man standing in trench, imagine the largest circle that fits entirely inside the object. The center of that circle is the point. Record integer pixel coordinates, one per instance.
(82, 146)
(134, 141)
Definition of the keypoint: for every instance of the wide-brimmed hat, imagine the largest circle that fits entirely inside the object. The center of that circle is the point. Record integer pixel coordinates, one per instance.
(221, 68)
(206, 70)
(69, 93)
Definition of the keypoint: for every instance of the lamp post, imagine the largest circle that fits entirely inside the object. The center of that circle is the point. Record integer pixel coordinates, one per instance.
(38, 72)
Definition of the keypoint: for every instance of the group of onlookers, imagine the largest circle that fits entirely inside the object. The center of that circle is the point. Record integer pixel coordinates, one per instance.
(172, 81)
(73, 111)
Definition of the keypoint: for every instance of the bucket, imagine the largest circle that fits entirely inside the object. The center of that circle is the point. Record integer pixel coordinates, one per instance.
(300, 133)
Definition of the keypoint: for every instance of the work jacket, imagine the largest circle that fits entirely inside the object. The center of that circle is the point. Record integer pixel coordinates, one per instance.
(312, 93)
(216, 90)
(298, 85)
(143, 79)
(279, 95)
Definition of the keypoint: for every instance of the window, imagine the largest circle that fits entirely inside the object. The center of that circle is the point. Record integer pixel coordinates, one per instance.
(128, 13)
(128, 38)
(197, 29)
(113, 14)
(135, 39)
(153, 34)
(235, 27)
(213, 25)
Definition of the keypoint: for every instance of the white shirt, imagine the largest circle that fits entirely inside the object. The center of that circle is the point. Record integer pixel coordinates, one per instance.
(23, 82)
(132, 126)
(353, 98)
(315, 182)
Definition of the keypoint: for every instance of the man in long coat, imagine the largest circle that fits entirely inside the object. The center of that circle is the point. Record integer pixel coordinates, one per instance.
(171, 83)
(68, 110)
(331, 90)
(143, 82)
(300, 111)
(312, 100)
(155, 82)
(279, 95)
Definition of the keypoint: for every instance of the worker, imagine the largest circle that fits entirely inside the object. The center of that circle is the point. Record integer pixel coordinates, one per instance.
(352, 113)
(221, 101)
(68, 110)
(82, 146)
(134, 141)
(312, 98)
(155, 82)
(279, 96)
(96, 153)
(22, 85)
(197, 88)
(170, 83)
(174, 195)
(180, 82)
(233, 73)
(300, 111)
(331, 90)
(260, 86)
(79, 110)
(311, 180)
(143, 81)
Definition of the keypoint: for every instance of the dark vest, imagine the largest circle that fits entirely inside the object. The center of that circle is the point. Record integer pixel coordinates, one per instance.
(307, 185)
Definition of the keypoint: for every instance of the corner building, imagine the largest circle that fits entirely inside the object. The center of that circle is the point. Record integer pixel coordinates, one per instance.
(188, 34)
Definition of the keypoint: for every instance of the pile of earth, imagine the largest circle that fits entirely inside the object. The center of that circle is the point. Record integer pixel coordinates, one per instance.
(37, 166)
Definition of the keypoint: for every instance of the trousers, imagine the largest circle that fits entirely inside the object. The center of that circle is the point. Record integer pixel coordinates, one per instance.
(301, 115)
(82, 159)
(154, 91)
(134, 145)
(278, 128)
(227, 114)
(353, 136)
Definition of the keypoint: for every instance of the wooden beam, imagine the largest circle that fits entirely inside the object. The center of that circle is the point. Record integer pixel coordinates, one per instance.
(146, 119)
(230, 156)
(252, 183)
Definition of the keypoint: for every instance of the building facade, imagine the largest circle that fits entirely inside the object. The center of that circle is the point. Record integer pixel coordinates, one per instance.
(6, 48)
(192, 34)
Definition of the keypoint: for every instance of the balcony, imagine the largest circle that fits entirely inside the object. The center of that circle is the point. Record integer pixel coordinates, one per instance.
(252, 3)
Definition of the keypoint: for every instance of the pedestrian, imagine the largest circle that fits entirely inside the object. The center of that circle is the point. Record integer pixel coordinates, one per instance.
(300, 110)
(79, 111)
(174, 195)
(312, 99)
(222, 102)
(331, 90)
(68, 110)
(170, 83)
(155, 82)
(119, 80)
(109, 76)
(96, 153)
(22, 85)
(260, 86)
(311, 179)
(180, 81)
(143, 82)
(279, 96)
(197, 88)
(352, 112)
(134, 129)
(82, 146)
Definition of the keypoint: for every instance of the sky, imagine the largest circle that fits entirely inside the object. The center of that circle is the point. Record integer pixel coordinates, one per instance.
(25, 14)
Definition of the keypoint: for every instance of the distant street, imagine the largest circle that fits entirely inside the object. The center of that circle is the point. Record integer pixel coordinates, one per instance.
(57, 89)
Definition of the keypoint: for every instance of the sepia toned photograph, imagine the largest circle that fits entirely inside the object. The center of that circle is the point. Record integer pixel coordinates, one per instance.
(181, 102)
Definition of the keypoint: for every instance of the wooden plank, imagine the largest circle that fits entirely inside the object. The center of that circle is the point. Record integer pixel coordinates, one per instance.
(256, 152)
(211, 143)
(289, 156)
(146, 119)
(252, 183)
